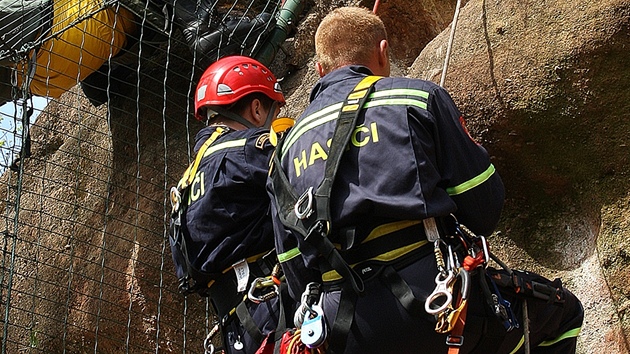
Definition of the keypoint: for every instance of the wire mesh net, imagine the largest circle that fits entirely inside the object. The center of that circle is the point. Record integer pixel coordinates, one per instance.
(94, 129)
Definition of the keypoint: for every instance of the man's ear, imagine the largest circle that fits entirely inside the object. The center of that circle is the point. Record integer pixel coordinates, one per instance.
(320, 69)
(383, 57)
(256, 112)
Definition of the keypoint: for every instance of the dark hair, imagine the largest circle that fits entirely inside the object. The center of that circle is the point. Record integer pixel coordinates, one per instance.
(241, 105)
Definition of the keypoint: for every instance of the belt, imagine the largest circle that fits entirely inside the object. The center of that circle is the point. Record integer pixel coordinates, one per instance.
(223, 291)
(386, 244)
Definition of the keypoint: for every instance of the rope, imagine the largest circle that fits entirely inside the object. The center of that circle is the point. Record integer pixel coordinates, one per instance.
(376, 3)
(450, 42)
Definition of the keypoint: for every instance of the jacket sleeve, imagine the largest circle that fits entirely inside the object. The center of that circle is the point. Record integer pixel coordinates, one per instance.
(467, 174)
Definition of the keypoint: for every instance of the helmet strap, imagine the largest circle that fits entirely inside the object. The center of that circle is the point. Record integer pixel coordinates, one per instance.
(232, 116)
(271, 114)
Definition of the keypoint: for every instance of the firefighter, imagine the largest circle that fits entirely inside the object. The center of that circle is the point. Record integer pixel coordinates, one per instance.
(376, 236)
(222, 235)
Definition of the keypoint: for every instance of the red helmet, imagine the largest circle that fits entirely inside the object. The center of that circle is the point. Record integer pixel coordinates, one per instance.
(231, 78)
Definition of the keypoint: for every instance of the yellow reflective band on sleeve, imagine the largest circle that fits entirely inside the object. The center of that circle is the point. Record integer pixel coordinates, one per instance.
(472, 183)
(568, 334)
(385, 257)
(288, 255)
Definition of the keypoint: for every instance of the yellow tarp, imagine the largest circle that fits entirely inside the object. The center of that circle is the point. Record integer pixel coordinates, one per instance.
(85, 36)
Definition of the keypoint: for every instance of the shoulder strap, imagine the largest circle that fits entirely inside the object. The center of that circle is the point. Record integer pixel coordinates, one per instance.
(309, 214)
(190, 172)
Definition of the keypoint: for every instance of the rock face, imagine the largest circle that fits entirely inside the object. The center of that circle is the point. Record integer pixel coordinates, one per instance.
(544, 86)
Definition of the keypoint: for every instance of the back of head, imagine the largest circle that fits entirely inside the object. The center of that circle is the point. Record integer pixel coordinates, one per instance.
(231, 79)
(348, 35)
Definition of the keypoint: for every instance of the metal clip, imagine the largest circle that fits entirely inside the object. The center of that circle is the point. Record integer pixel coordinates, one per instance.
(207, 343)
(442, 291)
(260, 283)
(176, 199)
(314, 328)
(304, 206)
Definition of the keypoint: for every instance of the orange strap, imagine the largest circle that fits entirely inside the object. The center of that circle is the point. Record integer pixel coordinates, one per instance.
(455, 339)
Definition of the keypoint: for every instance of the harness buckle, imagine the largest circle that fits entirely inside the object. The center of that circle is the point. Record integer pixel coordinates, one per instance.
(304, 206)
(454, 341)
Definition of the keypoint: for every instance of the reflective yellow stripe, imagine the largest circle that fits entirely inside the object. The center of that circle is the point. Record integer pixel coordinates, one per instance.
(320, 117)
(288, 255)
(471, 183)
(400, 92)
(381, 98)
(568, 334)
(225, 145)
(397, 102)
(385, 257)
(518, 346)
(189, 175)
(389, 228)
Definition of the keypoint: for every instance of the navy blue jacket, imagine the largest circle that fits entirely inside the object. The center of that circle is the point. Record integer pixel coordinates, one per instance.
(228, 217)
(410, 158)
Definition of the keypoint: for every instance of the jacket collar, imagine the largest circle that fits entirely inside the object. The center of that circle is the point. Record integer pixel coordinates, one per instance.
(338, 75)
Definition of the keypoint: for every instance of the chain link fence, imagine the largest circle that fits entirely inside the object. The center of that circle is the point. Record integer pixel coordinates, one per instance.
(95, 128)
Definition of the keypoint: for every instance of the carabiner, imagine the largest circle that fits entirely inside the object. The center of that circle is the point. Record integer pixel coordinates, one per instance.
(442, 290)
(304, 206)
(260, 283)
(207, 343)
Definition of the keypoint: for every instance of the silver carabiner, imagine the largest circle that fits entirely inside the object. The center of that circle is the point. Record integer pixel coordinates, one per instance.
(176, 199)
(441, 292)
(304, 206)
(465, 287)
(260, 283)
(207, 343)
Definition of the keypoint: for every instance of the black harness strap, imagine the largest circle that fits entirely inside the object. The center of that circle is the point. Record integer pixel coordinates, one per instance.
(399, 287)
(248, 322)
